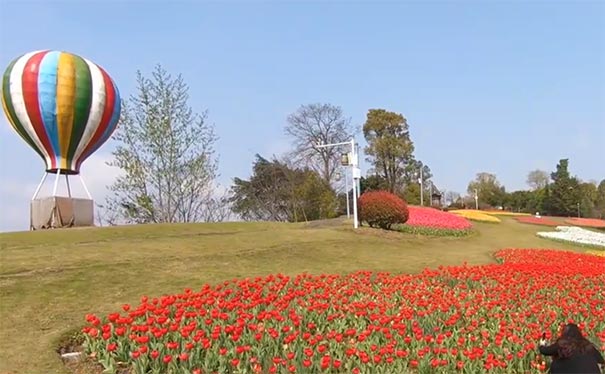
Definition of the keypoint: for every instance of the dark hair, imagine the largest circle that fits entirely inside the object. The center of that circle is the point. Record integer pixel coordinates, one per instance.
(572, 341)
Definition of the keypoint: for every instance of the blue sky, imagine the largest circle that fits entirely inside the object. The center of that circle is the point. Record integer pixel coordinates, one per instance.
(503, 87)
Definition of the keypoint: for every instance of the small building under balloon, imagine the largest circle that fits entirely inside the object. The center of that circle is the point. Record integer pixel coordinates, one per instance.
(64, 107)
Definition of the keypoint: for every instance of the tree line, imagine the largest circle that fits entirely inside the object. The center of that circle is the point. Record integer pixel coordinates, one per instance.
(307, 182)
(557, 193)
(169, 169)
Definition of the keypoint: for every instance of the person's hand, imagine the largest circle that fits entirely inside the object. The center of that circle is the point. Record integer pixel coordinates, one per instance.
(542, 342)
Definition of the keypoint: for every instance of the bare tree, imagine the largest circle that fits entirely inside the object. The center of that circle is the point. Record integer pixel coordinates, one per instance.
(451, 197)
(537, 179)
(107, 217)
(218, 208)
(166, 154)
(314, 124)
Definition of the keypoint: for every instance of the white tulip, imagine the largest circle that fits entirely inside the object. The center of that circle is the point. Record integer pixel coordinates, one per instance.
(575, 235)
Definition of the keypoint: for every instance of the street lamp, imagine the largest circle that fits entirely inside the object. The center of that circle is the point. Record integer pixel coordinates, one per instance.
(476, 200)
(338, 178)
(421, 188)
(349, 160)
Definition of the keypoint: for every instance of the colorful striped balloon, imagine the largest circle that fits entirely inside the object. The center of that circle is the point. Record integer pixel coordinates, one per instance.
(64, 106)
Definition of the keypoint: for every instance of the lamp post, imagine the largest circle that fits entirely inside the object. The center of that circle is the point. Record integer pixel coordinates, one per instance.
(421, 188)
(347, 193)
(476, 200)
(338, 176)
(353, 162)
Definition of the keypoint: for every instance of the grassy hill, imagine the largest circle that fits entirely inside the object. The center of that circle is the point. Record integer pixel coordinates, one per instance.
(49, 280)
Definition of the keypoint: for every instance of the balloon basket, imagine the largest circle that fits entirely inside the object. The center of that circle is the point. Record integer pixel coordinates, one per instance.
(54, 211)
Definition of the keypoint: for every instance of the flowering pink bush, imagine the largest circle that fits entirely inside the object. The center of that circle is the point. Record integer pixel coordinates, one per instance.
(382, 209)
(430, 221)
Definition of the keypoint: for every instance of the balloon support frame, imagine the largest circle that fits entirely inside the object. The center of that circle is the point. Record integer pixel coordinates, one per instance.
(56, 185)
(51, 212)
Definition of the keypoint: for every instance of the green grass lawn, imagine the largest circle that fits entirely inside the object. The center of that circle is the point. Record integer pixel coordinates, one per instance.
(49, 280)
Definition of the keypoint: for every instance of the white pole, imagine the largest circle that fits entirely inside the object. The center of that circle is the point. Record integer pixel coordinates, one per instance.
(68, 188)
(421, 189)
(40, 185)
(357, 166)
(85, 188)
(476, 200)
(56, 182)
(347, 191)
(354, 172)
(355, 223)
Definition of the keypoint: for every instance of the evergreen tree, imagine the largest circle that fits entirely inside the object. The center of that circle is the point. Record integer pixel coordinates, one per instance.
(564, 194)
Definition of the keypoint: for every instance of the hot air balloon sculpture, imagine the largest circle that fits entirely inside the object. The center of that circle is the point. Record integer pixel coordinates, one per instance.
(64, 107)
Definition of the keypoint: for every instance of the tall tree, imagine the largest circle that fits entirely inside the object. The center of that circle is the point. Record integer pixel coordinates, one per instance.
(372, 183)
(411, 194)
(389, 148)
(277, 192)
(525, 201)
(588, 198)
(165, 152)
(563, 195)
(600, 200)
(488, 188)
(314, 124)
(412, 172)
(537, 179)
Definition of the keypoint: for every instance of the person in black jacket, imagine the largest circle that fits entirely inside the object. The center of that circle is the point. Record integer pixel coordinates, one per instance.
(572, 353)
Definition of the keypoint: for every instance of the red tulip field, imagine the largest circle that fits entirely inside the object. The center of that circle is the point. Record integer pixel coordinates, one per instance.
(246, 298)
(587, 222)
(542, 221)
(465, 319)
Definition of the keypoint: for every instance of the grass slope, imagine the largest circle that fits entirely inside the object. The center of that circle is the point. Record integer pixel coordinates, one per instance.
(50, 279)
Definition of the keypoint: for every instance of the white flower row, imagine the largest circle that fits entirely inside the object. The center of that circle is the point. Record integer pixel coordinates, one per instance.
(575, 235)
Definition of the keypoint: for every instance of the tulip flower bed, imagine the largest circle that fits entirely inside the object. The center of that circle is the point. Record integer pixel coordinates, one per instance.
(462, 319)
(576, 235)
(506, 213)
(596, 252)
(543, 221)
(430, 221)
(587, 222)
(476, 215)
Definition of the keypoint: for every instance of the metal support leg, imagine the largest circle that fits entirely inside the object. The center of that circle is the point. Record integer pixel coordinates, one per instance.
(68, 188)
(85, 188)
(56, 182)
(39, 186)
